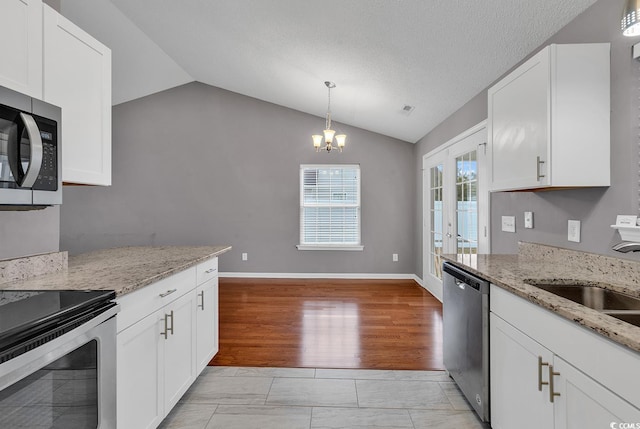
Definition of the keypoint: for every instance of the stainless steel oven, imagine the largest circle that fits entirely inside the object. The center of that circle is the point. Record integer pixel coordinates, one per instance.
(58, 360)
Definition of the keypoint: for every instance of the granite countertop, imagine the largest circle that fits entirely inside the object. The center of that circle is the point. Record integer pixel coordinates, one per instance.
(537, 263)
(123, 269)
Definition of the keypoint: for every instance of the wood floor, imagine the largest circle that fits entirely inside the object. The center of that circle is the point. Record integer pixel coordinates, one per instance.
(372, 324)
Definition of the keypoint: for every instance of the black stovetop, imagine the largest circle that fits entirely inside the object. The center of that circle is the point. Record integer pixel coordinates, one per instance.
(26, 314)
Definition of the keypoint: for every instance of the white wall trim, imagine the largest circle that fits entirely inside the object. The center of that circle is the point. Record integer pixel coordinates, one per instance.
(418, 280)
(463, 135)
(364, 276)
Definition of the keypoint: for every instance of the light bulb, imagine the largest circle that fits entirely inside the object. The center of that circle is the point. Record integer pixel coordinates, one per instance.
(328, 135)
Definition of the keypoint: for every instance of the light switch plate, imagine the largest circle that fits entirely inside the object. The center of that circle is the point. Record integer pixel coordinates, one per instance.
(245, 257)
(573, 233)
(509, 223)
(394, 257)
(528, 220)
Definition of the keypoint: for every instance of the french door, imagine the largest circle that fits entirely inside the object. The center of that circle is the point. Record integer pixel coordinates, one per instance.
(455, 203)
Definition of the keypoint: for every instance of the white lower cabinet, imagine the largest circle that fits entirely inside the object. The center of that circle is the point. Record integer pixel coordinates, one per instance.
(167, 333)
(550, 374)
(178, 339)
(514, 366)
(207, 323)
(583, 403)
(140, 371)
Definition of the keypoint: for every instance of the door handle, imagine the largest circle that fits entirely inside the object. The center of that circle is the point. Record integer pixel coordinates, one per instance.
(201, 305)
(167, 328)
(552, 394)
(540, 365)
(538, 175)
(460, 284)
(35, 153)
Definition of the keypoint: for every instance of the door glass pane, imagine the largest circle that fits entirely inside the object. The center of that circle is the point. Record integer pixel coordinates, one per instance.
(467, 203)
(436, 221)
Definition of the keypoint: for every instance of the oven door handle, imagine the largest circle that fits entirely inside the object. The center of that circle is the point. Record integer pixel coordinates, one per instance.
(35, 154)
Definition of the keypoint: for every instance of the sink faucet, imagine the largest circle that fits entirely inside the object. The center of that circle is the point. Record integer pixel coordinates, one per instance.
(627, 246)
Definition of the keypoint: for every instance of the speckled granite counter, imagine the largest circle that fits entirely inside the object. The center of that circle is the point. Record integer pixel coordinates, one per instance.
(122, 269)
(538, 263)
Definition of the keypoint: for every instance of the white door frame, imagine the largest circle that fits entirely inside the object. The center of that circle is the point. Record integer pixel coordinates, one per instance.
(476, 135)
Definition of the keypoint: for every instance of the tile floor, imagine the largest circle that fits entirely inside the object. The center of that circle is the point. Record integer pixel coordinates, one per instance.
(307, 398)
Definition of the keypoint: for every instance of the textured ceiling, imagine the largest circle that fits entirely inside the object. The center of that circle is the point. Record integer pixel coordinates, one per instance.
(382, 54)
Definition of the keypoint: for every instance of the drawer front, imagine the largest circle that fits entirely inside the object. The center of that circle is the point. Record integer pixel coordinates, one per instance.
(136, 305)
(207, 270)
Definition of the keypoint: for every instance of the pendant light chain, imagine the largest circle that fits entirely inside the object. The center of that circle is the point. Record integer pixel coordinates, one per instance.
(328, 122)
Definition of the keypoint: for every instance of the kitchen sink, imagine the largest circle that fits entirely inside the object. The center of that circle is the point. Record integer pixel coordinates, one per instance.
(591, 296)
(629, 317)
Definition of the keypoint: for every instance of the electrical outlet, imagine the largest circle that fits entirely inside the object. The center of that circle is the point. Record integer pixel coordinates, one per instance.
(528, 220)
(394, 257)
(245, 257)
(573, 231)
(509, 223)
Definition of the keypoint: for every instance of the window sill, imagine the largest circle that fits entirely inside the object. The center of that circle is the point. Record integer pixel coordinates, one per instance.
(352, 248)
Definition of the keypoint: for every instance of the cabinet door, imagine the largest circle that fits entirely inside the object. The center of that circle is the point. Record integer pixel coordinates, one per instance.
(206, 323)
(516, 401)
(77, 77)
(585, 404)
(518, 126)
(178, 322)
(139, 379)
(21, 46)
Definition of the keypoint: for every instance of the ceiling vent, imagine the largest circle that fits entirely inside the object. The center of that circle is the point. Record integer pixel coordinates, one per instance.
(406, 109)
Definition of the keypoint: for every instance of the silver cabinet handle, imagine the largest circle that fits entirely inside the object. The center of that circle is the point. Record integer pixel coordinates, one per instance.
(552, 394)
(167, 329)
(540, 365)
(167, 293)
(210, 270)
(201, 305)
(35, 153)
(538, 175)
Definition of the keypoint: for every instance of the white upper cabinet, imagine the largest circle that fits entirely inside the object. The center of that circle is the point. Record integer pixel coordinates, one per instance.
(549, 120)
(21, 44)
(77, 77)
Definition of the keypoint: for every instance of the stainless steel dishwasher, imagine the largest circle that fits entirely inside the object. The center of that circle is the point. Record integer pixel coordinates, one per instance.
(465, 314)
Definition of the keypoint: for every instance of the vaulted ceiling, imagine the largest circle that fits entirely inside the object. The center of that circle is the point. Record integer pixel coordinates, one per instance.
(434, 55)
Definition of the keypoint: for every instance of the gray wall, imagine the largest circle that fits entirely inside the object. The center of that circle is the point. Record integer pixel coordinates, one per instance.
(197, 165)
(596, 208)
(24, 233)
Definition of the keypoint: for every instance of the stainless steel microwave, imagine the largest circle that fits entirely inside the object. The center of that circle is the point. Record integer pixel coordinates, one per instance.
(30, 153)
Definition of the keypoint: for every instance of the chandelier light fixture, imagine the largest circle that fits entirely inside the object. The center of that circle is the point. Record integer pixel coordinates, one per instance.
(329, 134)
(630, 24)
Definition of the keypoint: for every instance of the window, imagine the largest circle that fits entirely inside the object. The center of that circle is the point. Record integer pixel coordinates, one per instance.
(330, 207)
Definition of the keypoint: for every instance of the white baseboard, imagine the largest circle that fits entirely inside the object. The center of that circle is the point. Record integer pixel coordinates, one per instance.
(418, 280)
(366, 276)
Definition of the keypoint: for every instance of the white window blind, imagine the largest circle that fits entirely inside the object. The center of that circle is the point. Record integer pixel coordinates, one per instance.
(330, 207)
